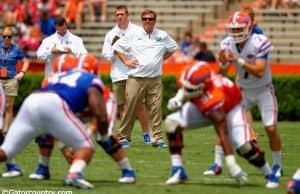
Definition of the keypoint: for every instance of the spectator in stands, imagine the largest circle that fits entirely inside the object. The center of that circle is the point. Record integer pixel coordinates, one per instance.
(26, 7)
(187, 44)
(119, 70)
(9, 79)
(60, 7)
(8, 12)
(62, 41)
(286, 4)
(47, 6)
(289, 4)
(73, 12)
(204, 54)
(30, 34)
(144, 74)
(97, 7)
(46, 23)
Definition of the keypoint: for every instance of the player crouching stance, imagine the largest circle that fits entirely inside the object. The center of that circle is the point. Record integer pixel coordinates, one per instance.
(217, 100)
(66, 93)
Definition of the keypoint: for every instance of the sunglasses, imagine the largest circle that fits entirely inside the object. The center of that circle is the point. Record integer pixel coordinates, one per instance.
(148, 19)
(6, 36)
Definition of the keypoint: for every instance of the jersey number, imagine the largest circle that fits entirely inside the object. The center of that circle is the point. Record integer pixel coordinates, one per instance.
(68, 79)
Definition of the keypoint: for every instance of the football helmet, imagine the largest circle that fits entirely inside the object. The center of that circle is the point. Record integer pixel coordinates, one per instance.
(88, 63)
(63, 63)
(239, 26)
(193, 79)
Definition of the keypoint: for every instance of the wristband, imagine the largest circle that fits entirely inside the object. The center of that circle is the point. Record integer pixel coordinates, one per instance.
(224, 65)
(241, 62)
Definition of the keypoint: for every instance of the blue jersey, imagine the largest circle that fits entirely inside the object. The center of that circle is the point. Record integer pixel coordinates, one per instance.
(72, 86)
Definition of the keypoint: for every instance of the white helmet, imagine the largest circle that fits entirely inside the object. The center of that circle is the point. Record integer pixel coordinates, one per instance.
(239, 26)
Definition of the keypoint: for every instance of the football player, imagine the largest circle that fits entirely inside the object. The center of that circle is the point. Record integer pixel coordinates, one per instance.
(214, 99)
(293, 185)
(248, 52)
(216, 168)
(68, 81)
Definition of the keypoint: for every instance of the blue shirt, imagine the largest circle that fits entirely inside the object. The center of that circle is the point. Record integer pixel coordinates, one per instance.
(9, 59)
(186, 47)
(47, 27)
(72, 86)
(257, 30)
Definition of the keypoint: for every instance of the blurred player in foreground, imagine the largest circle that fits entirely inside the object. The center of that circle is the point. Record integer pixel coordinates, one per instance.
(293, 185)
(213, 99)
(65, 94)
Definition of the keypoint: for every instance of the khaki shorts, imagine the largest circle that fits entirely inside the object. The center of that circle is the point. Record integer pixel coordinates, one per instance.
(10, 86)
(119, 90)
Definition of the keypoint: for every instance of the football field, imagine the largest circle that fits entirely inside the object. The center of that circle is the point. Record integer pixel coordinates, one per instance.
(152, 167)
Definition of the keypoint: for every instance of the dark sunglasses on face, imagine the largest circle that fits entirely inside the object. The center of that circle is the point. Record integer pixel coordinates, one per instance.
(148, 19)
(6, 36)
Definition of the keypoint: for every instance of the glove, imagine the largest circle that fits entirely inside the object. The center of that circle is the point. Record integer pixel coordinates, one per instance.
(241, 178)
(235, 170)
(177, 101)
(174, 103)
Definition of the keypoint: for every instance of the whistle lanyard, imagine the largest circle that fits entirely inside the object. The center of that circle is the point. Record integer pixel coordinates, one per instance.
(4, 55)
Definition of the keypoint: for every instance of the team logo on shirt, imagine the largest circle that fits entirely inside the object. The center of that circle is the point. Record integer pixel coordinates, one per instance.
(250, 56)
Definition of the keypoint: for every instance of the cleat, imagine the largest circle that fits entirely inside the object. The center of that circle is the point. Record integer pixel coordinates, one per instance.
(41, 173)
(124, 143)
(147, 138)
(77, 180)
(215, 169)
(293, 186)
(13, 171)
(178, 176)
(128, 177)
(277, 170)
(272, 181)
(160, 144)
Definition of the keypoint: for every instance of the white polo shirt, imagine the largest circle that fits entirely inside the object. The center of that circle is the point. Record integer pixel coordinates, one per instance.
(118, 68)
(70, 40)
(147, 49)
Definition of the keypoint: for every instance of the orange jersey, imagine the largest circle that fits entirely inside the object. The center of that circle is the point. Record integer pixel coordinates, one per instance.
(220, 93)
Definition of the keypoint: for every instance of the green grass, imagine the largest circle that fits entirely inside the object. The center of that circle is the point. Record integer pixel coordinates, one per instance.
(152, 167)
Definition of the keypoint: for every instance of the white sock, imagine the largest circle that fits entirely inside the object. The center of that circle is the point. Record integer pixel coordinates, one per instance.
(44, 160)
(11, 161)
(176, 160)
(266, 169)
(77, 166)
(219, 155)
(124, 164)
(276, 157)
